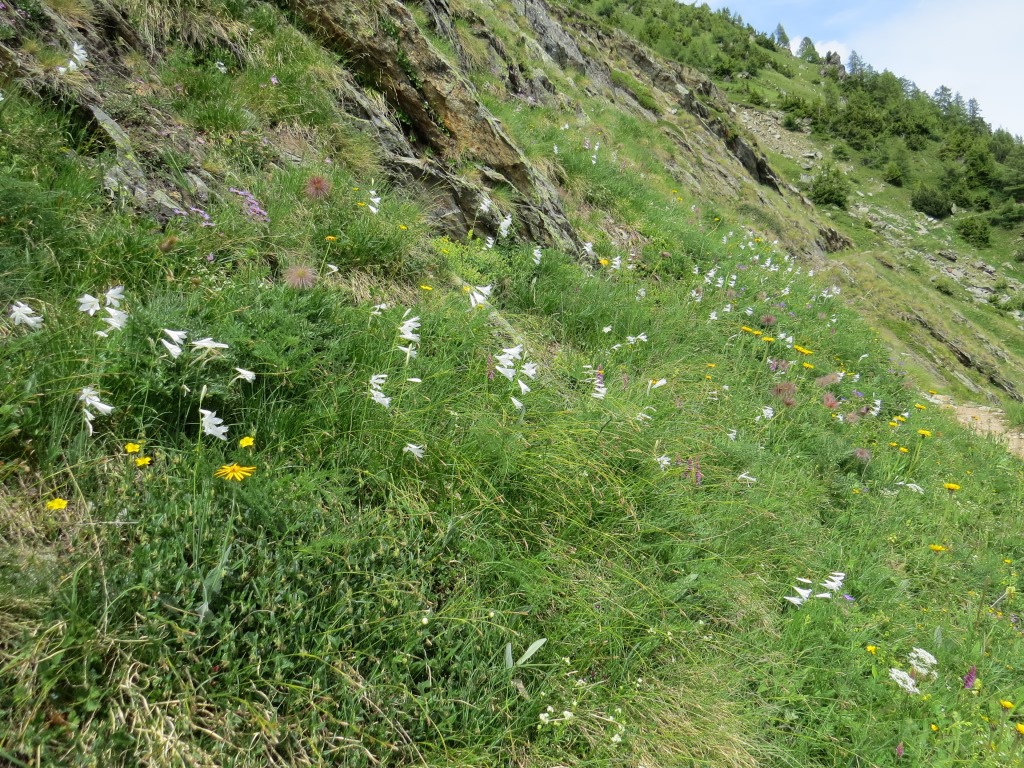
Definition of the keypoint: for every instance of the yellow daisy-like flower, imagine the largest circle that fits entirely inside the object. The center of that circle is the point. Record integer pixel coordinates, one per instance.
(758, 333)
(1006, 704)
(712, 365)
(894, 423)
(932, 392)
(746, 328)
(234, 472)
(426, 288)
(937, 548)
(894, 445)
(802, 350)
(920, 407)
(872, 649)
(951, 486)
(901, 419)
(247, 442)
(808, 366)
(331, 239)
(904, 449)
(143, 461)
(767, 338)
(935, 727)
(361, 205)
(924, 432)
(603, 262)
(403, 227)
(58, 503)
(1020, 728)
(132, 448)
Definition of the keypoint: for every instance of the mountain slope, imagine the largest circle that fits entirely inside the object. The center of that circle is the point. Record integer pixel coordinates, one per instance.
(456, 383)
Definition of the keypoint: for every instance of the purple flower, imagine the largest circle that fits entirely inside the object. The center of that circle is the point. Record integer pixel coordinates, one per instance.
(274, 80)
(899, 750)
(849, 597)
(970, 677)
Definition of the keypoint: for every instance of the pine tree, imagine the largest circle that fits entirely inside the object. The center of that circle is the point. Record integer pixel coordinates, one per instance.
(943, 97)
(807, 52)
(855, 64)
(781, 37)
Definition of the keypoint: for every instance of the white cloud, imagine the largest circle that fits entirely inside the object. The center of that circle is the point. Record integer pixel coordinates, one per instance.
(835, 46)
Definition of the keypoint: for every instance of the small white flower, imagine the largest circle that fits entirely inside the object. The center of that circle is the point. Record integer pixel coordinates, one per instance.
(174, 349)
(212, 425)
(415, 450)
(652, 384)
(114, 296)
(479, 295)
(414, 380)
(536, 255)
(903, 680)
(732, 434)
(117, 319)
(636, 339)
(90, 398)
(747, 478)
(713, 316)
(616, 738)
(410, 351)
(23, 314)
(209, 343)
(88, 303)
(178, 337)
(664, 462)
(588, 248)
(377, 380)
(485, 205)
(505, 226)
(767, 413)
(517, 403)
(522, 386)
(379, 397)
(923, 663)
(529, 369)
(912, 486)
(78, 54)
(249, 376)
(606, 329)
(378, 309)
(616, 263)
(508, 373)
(489, 243)
(407, 330)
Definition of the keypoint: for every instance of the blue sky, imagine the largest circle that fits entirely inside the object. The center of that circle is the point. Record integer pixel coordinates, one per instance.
(972, 47)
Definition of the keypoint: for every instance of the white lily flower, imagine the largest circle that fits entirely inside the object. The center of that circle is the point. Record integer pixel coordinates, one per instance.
(209, 343)
(88, 303)
(407, 330)
(174, 349)
(748, 478)
(664, 462)
(249, 376)
(23, 314)
(114, 296)
(529, 369)
(732, 434)
(117, 319)
(212, 425)
(91, 399)
(379, 397)
(536, 255)
(522, 386)
(508, 373)
(378, 309)
(410, 351)
(178, 337)
(489, 243)
(517, 403)
(652, 384)
(636, 339)
(220, 67)
(505, 226)
(415, 450)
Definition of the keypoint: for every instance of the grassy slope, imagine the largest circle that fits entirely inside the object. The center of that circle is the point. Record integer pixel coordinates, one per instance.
(350, 604)
(914, 283)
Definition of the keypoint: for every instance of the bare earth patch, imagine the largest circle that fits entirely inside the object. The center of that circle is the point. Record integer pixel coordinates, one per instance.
(985, 420)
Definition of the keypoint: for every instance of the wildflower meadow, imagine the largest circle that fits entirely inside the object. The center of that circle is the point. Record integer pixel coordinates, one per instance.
(292, 479)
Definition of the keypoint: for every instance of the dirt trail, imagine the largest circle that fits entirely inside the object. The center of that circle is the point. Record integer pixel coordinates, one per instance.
(985, 421)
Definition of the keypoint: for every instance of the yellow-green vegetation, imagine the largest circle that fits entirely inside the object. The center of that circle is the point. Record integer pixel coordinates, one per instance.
(289, 478)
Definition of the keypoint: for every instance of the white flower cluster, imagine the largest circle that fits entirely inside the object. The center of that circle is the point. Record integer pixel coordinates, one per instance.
(78, 59)
(407, 332)
(23, 314)
(376, 391)
(112, 302)
(508, 365)
(832, 584)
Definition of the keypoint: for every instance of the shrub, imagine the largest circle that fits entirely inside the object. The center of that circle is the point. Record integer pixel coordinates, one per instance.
(830, 187)
(975, 230)
(842, 151)
(947, 286)
(931, 201)
(892, 173)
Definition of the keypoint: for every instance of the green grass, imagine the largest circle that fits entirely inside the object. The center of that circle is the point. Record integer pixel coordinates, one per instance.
(350, 603)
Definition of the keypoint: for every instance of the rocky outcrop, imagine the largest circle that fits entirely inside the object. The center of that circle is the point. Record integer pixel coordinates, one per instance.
(831, 240)
(385, 50)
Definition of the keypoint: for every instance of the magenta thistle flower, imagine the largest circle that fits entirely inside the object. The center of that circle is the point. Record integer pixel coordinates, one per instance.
(899, 750)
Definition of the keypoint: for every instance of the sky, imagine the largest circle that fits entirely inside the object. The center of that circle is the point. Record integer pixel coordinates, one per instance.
(973, 48)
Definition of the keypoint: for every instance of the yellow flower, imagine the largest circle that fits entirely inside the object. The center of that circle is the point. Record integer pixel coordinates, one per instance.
(802, 350)
(712, 365)
(855, 490)
(920, 407)
(331, 239)
(234, 472)
(872, 649)
(1020, 728)
(904, 449)
(1007, 560)
(246, 442)
(403, 227)
(603, 262)
(808, 366)
(894, 423)
(758, 333)
(894, 445)
(924, 432)
(746, 328)
(767, 338)
(143, 461)
(132, 448)
(426, 288)
(932, 392)
(57, 503)
(901, 419)
(935, 727)
(361, 205)
(937, 548)
(1005, 704)
(951, 486)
